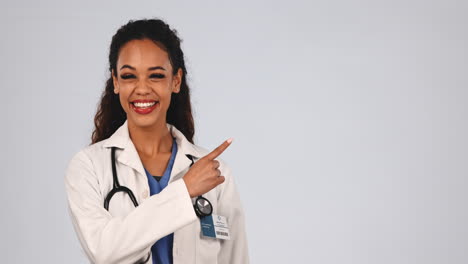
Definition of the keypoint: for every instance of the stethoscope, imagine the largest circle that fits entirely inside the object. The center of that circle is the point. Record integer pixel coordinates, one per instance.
(202, 205)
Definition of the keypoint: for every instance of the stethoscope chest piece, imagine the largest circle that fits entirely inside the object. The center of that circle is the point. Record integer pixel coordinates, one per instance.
(202, 207)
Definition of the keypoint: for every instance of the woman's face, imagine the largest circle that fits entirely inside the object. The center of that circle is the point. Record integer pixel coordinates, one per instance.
(144, 82)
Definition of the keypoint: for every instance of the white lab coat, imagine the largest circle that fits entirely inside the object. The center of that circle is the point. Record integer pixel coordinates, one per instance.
(125, 234)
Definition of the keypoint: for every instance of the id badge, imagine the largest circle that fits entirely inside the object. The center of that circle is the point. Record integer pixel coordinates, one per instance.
(215, 226)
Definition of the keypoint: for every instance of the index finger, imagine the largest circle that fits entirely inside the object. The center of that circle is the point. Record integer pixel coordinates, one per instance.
(217, 151)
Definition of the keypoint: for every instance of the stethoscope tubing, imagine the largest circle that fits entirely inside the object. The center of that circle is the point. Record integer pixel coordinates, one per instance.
(116, 185)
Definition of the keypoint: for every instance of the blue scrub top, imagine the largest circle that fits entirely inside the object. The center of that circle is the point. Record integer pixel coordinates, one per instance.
(162, 249)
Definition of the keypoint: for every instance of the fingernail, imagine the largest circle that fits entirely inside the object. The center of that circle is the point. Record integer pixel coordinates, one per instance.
(230, 140)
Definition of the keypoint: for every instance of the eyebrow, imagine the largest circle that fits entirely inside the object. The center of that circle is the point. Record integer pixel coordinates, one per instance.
(150, 68)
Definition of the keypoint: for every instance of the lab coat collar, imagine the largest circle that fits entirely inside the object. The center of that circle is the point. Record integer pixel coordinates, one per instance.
(129, 155)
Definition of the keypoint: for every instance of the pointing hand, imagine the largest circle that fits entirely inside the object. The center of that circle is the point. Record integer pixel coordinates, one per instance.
(204, 174)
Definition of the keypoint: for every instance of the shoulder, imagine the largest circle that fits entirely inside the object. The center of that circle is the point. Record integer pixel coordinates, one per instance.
(87, 161)
(91, 152)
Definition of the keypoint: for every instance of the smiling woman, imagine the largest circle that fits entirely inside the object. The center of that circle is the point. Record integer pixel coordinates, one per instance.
(143, 67)
(143, 192)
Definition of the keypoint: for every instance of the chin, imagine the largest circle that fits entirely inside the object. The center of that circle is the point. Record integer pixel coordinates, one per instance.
(145, 121)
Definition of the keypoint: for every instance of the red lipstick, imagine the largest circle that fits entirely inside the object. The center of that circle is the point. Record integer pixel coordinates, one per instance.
(144, 107)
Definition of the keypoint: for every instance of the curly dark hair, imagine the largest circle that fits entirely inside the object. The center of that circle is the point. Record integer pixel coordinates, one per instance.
(110, 114)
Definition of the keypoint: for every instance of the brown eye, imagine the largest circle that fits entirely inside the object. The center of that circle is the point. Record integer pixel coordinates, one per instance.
(157, 76)
(127, 76)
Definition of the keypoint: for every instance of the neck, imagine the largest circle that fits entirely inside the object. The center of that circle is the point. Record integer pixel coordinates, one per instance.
(151, 141)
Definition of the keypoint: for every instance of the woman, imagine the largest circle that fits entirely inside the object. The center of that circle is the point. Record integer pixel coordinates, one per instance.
(143, 141)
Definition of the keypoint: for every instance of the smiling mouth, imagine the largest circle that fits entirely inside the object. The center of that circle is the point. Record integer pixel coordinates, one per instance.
(144, 105)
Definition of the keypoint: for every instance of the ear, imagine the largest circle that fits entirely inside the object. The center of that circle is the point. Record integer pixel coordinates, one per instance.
(115, 82)
(177, 79)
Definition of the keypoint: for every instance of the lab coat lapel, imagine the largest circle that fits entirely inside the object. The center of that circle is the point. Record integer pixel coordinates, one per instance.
(129, 155)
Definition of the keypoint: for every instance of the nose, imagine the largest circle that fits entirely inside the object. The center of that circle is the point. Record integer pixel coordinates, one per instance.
(142, 88)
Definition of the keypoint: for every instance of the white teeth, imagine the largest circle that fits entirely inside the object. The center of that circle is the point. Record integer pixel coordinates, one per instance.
(144, 105)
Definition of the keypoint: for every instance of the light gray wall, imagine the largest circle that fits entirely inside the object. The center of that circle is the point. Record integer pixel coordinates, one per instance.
(349, 119)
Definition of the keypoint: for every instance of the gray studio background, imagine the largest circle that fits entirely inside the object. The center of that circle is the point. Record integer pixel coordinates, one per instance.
(349, 121)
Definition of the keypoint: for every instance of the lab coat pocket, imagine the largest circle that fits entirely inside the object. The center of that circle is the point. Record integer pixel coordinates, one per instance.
(208, 249)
